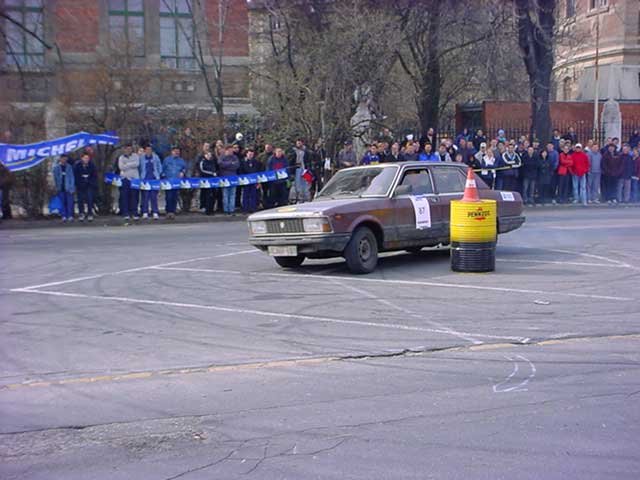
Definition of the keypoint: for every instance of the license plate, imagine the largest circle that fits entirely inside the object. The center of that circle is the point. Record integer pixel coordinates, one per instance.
(287, 251)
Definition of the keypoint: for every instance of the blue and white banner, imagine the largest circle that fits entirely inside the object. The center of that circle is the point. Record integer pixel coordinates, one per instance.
(193, 183)
(21, 157)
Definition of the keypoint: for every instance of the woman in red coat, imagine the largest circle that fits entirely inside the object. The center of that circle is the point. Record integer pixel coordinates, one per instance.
(565, 164)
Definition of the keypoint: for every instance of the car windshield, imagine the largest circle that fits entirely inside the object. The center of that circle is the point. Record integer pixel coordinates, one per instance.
(360, 182)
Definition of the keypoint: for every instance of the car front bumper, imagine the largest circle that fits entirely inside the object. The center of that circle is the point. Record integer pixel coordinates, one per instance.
(307, 244)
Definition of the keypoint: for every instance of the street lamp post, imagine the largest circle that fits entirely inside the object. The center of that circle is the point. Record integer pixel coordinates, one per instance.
(597, 82)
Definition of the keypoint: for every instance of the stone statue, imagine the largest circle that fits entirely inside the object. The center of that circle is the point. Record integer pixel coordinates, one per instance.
(611, 119)
(361, 120)
(611, 116)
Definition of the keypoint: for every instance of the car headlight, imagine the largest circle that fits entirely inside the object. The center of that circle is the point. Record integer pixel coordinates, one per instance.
(316, 225)
(258, 228)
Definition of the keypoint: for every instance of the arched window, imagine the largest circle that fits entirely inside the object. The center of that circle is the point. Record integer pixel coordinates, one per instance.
(566, 89)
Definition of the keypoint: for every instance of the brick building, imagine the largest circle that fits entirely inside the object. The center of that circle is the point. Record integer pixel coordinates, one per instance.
(147, 53)
(610, 27)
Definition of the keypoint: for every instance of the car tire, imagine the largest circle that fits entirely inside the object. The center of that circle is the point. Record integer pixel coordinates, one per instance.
(361, 252)
(289, 262)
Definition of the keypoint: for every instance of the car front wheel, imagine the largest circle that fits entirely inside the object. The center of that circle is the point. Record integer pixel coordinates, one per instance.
(289, 262)
(361, 252)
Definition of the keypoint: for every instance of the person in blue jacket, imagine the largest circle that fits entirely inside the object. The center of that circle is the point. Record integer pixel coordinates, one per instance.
(427, 154)
(173, 167)
(150, 169)
(65, 186)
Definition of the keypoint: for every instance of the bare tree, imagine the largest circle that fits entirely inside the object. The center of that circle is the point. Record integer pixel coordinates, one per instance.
(438, 38)
(536, 20)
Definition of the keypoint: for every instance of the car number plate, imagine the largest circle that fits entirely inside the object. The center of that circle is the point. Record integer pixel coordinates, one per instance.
(286, 251)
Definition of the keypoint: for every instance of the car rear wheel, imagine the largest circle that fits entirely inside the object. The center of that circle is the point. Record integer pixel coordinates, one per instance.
(289, 262)
(361, 252)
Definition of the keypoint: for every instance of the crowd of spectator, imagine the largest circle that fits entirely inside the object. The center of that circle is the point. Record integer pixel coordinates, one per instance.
(560, 171)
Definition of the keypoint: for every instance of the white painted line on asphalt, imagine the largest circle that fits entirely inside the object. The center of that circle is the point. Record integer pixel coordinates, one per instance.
(552, 262)
(292, 316)
(417, 283)
(590, 255)
(129, 270)
(408, 312)
(593, 227)
(520, 387)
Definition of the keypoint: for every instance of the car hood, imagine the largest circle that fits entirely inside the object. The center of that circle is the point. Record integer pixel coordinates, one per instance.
(310, 209)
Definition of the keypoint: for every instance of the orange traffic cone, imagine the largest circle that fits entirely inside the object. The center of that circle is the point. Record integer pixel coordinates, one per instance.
(471, 189)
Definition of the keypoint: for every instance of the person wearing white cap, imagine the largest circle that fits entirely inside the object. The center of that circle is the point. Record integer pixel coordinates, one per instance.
(579, 171)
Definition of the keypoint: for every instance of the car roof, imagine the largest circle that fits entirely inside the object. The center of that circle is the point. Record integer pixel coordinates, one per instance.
(408, 164)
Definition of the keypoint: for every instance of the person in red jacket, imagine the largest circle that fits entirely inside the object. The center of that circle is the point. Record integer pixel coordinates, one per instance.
(579, 171)
(564, 174)
(612, 166)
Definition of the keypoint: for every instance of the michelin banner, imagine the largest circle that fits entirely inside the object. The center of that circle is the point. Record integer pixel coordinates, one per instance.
(193, 183)
(21, 157)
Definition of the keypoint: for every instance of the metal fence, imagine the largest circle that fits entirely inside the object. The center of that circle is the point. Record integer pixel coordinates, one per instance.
(583, 130)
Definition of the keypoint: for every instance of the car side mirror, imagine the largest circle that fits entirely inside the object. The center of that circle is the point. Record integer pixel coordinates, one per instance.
(402, 190)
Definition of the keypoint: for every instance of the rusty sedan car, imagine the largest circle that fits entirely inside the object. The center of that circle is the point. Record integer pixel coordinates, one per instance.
(369, 209)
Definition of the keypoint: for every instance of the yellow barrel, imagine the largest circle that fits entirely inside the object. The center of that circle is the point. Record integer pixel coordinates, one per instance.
(474, 222)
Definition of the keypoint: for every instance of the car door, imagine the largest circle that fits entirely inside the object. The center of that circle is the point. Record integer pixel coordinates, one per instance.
(449, 184)
(416, 181)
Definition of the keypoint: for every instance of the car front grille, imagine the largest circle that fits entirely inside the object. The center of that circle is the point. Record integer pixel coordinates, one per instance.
(285, 225)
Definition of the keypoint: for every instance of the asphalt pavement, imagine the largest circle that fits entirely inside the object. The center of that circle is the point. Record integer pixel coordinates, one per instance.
(178, 351)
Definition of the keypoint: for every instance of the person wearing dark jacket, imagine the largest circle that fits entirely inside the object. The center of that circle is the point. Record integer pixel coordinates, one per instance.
(508, 179)
(545, 176)
(7, 179)
(634, 139)
(612, 167)
(529, 170)
(278, 192)
(429, 137)
(478, 139)
(207, 168)
(250, 164)
(86, 178)
(571, 136)
(628, 167)
(228, 166)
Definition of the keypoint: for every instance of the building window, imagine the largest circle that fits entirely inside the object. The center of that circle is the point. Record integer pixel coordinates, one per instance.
(22, 48)
(593, 4)
(275, 23)
(566, 89)
(177, 34)
(571, 8)
(126, 26)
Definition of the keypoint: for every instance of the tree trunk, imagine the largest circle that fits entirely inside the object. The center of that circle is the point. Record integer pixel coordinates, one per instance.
(535, 37)
(428, 98)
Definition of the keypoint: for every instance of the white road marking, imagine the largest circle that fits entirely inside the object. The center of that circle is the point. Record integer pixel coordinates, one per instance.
(593, 227)
(262, 313)
(552, 262)
(590, 255)
(520, 387)
(129, 270)
(418, 283)
(392, 305)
